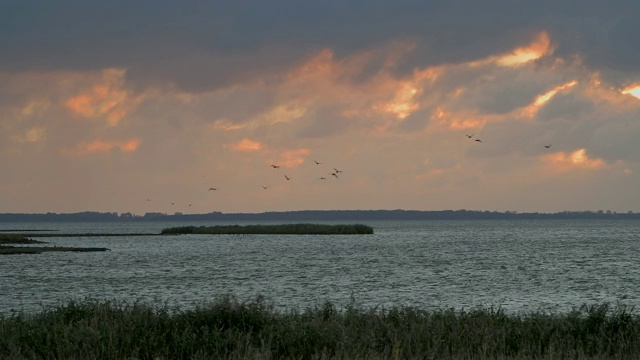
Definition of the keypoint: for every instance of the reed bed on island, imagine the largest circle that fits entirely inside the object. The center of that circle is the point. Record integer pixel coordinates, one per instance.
(231, 329)
(284, 229)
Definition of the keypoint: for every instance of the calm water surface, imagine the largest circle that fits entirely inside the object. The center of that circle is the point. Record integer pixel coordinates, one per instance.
(519, 265)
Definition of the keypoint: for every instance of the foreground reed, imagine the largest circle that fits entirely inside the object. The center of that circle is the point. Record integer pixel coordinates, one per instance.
(229, 329)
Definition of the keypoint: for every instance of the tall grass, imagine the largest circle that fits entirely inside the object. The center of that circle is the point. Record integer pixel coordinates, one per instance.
(230, 329)
(284, 229)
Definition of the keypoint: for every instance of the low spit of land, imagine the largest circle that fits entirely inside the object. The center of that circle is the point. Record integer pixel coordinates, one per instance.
(23, 240)
(229, 329)
(23, 236)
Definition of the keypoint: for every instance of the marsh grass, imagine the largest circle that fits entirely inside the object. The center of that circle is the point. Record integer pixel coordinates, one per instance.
(230, 329)
(284, 229)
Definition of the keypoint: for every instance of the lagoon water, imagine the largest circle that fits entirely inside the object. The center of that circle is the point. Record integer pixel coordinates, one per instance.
(518, 265)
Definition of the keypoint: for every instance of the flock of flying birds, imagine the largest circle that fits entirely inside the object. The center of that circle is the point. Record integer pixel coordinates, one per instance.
(335, 171)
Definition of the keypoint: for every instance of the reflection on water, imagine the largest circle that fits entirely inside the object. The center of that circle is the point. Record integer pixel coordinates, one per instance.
(518, 265)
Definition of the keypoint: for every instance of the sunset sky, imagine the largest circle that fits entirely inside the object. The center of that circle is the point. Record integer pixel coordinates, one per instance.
(143, 106)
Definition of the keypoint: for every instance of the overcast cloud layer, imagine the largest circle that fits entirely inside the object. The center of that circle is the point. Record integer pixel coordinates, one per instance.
(146, 106)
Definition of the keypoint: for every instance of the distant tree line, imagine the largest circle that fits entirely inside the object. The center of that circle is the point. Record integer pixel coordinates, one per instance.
(317, 215)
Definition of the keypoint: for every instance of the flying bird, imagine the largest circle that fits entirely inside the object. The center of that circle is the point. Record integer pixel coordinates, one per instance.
(286, 177)
(323, 178)
(337, 171)
(264, 187)
(470, 136)
(478, 140)
(317, 163)
(210, 189)
(336, 175)
(547, 146)
(148, 199)
(275, 166)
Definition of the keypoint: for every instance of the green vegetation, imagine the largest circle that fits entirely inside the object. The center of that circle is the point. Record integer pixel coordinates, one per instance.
(229, 329)
(286, 229)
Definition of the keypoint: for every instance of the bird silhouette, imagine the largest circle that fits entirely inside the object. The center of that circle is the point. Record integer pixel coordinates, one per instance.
(336, 175)
(547, 146)
(317, 163)
(264, 187)
(478, 140)
(470, 136)
(275, 166)
(323, 178)
(337, 171)
(212, 189)
(286, 177)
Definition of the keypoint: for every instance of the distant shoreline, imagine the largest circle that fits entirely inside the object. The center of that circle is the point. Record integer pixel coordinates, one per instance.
(321, 215)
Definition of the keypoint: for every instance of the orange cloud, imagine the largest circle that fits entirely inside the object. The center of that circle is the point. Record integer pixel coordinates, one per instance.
(293, 158)
(458, 121)
(633, 90)
(226, 125)
(246, 145)
(104, 146)
(321, 64)
(542, 99)
(106, 99)
(285, 113)
(575, 159)
(325, 79)
(402, 105)
(540, 47)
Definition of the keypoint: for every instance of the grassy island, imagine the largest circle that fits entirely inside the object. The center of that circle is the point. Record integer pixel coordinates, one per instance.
(285, 229)
(228, 329)
(20, 239)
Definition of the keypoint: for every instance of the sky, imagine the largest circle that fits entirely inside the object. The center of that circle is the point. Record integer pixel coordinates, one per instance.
(148, 106)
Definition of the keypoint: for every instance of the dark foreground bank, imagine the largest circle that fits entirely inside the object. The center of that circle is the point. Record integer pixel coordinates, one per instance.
(228, 329)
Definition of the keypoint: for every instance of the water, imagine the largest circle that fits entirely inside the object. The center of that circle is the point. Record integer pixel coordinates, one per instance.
(518, 265)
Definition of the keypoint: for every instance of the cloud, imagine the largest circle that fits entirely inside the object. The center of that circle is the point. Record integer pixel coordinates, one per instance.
(246, 145)
(34, 134)
(292, 158)
(107, 99)
(540, 47)
(222, 89)
(103, 146)
(577, 159)
(633, 90)
(214, 45)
